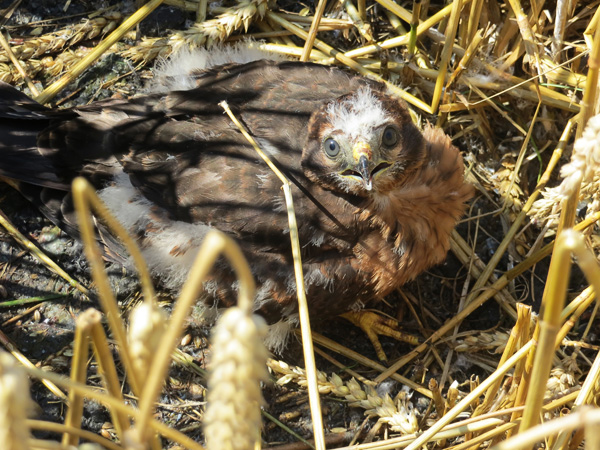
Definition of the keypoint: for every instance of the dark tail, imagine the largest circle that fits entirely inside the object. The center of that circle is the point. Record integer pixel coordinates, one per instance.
(34, 161)
(22, 120)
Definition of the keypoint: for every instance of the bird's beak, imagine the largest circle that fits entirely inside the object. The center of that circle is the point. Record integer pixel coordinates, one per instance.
(363, 170)
(363, 155)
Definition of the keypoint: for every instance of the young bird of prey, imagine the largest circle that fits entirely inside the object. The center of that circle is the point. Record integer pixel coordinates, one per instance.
(375, 199)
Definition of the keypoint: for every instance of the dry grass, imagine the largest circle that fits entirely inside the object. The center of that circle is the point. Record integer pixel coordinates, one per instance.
(514, 85)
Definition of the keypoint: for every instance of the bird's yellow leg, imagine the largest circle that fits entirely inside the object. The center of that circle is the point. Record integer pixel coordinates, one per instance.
(375, 325)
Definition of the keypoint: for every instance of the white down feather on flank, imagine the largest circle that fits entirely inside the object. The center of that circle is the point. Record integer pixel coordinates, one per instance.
(165, 246)
(171, 247)
(177, 72)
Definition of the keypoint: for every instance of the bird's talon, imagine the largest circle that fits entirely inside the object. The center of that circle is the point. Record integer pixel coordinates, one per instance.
(375, 325)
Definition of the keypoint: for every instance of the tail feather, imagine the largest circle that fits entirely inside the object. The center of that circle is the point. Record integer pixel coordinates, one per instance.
(22, 120)
(38, 171)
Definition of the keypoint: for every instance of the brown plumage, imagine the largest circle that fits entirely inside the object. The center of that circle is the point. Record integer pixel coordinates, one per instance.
(376, 200)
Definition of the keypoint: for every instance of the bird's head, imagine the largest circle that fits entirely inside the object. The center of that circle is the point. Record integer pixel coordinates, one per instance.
(362, 143)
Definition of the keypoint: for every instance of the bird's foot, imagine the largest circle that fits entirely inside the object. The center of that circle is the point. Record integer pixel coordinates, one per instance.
(375, 325)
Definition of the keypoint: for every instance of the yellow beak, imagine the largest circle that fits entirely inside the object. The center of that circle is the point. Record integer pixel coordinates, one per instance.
(362, 155)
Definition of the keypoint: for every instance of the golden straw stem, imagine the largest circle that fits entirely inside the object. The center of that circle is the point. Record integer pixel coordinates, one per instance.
(108, 370)
(471, 397)
(113, 403)
(438, 401)
(396, 9)
(355, 356)
(303, 313)
(31, 247)
(589, 31)
(446, 54)
(474, 17)
(585, 397)
(349, 62)
(17, 64)
(25, 362)
(44, 425)
(395, 22)
(312, 32)
(588, 103)
(292, 51)
(474, 443)
(552, 303)
(509, 237)
(521, 379)
(574, 310)
(215, 243)
(87, 196)
(81, 350)
(414, 24)
(520, 328)
(488, 293)
(573, 421)
(201, 11)
(51, 91)
(531, 47)
(400, 40)
(362, 9)
(84, 197)
(588, 107)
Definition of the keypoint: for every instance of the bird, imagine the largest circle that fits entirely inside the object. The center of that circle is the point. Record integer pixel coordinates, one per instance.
(376, 198)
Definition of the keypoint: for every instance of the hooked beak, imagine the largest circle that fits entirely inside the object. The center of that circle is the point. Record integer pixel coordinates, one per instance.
(363, 169)
(364, 165)
(363, 154)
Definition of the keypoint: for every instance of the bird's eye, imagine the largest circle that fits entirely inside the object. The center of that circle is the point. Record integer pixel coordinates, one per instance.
(332, 148)
(390, 137)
